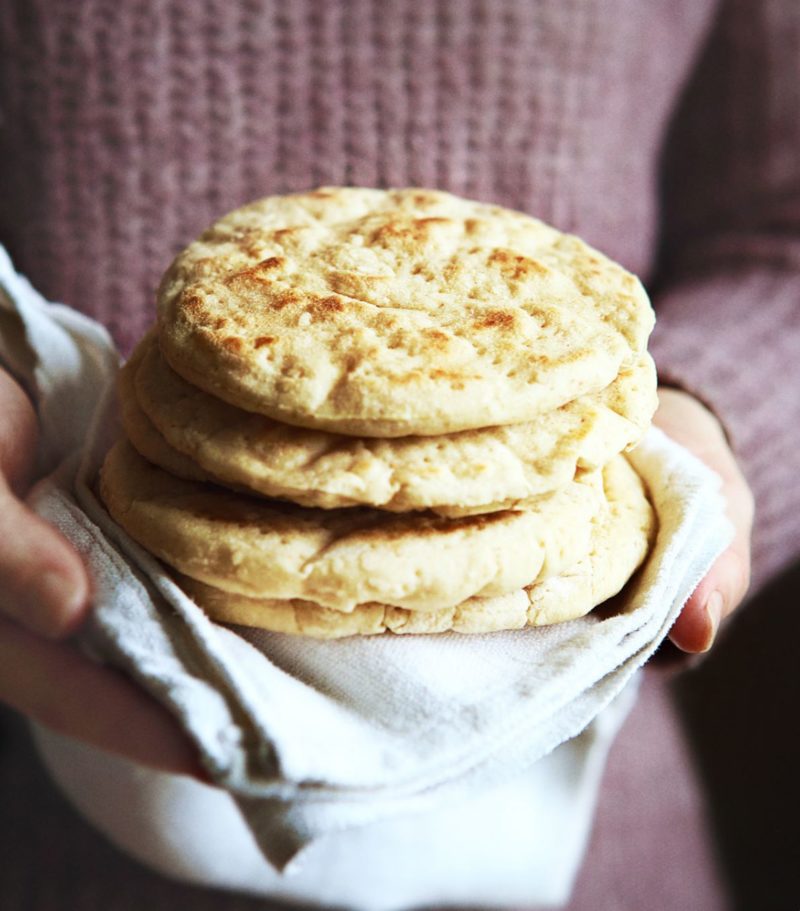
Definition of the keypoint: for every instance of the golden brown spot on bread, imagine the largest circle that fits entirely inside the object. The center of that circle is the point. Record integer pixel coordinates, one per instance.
(496, 319)
(194, 304)
(391, 231)
(453, 270)
(415, 230)
(263, 340)
(411, 376)
(433, 220)
(324, 308)
(286, 299)
(456, 380)
(436, 337)
(273, 262)
(514, 266)
(233, 343)
(474, 226)
(330, 305)
(260, 273)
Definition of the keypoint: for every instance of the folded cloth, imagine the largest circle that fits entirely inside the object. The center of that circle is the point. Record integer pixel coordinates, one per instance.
(512, 845)
(313, 737)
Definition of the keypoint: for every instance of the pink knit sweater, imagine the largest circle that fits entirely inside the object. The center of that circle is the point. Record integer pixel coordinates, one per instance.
(664, 132)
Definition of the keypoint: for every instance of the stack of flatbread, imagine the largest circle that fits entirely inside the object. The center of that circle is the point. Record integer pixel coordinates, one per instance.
(369, 411)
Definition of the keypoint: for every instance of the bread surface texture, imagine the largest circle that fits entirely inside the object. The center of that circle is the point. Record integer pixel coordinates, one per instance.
(390, 313)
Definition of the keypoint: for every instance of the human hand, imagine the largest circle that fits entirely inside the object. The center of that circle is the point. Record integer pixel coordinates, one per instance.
(683, 418)
(44, 597)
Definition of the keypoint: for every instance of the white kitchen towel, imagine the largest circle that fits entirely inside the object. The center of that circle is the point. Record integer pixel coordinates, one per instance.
(317, 737)
(512, 845)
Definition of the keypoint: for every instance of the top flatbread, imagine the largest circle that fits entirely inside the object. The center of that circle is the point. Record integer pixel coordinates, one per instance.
(391, 313)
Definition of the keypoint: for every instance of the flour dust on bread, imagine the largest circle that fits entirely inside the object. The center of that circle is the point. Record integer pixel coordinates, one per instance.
(621, 536)
(397, 313)
(471, 471)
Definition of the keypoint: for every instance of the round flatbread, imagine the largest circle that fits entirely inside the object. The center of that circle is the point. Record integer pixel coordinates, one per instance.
(621, 538)
(472, 471)
(396, 313)
(343, 558)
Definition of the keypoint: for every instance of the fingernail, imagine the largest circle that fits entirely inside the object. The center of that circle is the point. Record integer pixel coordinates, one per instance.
(713, 608)
(55, 601)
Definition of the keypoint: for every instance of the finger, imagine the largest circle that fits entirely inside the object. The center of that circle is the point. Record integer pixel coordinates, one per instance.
(43, 583)
(99, 705)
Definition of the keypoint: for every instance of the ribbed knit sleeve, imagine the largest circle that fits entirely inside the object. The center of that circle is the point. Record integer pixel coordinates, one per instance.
(729, 299)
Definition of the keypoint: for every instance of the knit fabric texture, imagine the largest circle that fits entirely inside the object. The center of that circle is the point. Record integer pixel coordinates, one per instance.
(664, 133)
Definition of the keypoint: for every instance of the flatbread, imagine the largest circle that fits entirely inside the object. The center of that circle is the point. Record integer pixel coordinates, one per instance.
(621, 537)
(396, 313)
(198, 436)
(346, 557)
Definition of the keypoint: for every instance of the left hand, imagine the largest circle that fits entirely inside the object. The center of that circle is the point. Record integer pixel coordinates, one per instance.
(686, 420)
(45, 595)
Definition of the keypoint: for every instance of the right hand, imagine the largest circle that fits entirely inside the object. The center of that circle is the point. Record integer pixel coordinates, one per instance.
(689, 422)
(45, 596)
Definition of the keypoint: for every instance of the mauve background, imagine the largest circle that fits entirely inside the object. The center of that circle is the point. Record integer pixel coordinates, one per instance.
(666, 132)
